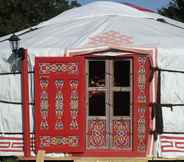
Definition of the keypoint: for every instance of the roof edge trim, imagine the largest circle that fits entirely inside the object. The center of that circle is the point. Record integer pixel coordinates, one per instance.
(87, 51)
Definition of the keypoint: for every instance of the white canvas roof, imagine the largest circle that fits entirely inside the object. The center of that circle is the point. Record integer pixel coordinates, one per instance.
(75, 28)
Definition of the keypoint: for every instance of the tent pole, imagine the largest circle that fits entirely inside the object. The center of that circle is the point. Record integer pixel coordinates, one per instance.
(25, 101)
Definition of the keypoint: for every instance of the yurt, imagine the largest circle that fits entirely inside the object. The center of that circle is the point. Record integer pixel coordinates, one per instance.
(102, 82)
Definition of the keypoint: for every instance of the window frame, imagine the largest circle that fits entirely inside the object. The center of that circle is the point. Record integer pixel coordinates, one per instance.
(122, 88)
(109, 89)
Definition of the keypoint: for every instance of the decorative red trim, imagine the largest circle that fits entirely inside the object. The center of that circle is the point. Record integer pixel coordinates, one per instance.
(4, 144)
(152, 99)
(90, 51)
(149, 111)
(13, 151)
(173, 151)
(139, 7)
(17, 145)
(169, 137)
(141, 103)
(10, 138)
(171, 143)
(25, 99)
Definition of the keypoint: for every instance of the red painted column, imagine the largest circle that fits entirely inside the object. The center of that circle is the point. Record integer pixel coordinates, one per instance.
(25, 108)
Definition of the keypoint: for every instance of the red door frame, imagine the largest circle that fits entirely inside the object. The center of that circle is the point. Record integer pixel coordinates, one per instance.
(138, 61)
(25, 106)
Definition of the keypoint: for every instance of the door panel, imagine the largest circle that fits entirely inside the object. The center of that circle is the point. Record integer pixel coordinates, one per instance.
(121, 137)
(97, 105)
(97, 124)
(59, 99)
(97, 134)
(121, 109)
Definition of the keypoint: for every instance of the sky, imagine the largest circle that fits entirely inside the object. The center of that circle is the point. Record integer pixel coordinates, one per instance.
(150, 4)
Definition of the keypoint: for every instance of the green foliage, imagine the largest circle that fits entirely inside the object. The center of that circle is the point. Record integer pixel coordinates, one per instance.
(16, 15)
(174, 10)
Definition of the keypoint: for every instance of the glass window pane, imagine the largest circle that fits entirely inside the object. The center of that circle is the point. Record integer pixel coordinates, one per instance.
(122, 73)
(121, 101)
(96, 73)
(96, 103)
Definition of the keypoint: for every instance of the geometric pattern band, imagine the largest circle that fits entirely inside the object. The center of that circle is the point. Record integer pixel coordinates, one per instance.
(142, 104)
(72, 141)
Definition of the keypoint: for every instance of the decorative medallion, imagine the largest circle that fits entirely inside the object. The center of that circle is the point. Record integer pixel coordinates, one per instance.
(121, 136)
(96, 134)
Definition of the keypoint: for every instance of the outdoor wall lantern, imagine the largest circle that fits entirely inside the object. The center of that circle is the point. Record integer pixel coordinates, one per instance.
(15, 46)
(14, 43)
(17, 55)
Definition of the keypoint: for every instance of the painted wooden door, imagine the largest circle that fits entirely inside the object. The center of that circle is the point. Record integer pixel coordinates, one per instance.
(117, 103)
(59, 104)
(109, 102)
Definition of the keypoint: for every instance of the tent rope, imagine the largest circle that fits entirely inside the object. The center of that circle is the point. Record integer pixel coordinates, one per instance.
(14, 103)
(166, 70)
(14, 73)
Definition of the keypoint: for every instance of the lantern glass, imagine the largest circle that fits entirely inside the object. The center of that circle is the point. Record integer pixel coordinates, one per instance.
(14, 42)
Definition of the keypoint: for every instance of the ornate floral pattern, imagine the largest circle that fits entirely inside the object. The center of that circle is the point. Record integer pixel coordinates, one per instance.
(44, 105)
(69, 68)
(59, 104)
(96, 134)
(74, 104)
(71, 141)
(121, 134)
(141, 123)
